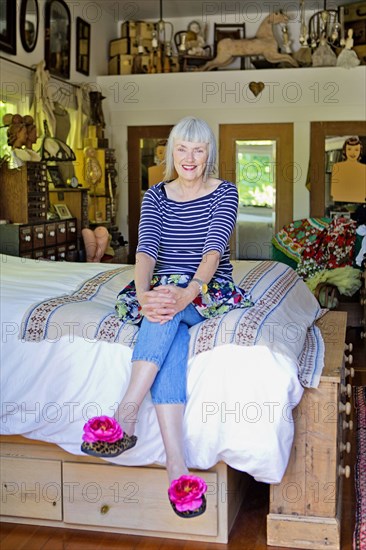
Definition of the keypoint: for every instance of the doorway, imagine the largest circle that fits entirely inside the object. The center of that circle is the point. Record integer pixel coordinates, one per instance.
(258, 158)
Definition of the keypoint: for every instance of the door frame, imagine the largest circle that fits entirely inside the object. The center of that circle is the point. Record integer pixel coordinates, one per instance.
(282, 134)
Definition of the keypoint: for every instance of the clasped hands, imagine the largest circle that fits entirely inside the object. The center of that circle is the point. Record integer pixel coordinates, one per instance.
(161, 303)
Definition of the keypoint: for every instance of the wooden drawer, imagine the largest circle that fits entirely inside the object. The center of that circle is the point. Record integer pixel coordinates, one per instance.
(31, 491)
(132, 498)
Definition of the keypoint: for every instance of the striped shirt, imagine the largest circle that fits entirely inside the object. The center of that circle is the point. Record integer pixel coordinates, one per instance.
(178, 234)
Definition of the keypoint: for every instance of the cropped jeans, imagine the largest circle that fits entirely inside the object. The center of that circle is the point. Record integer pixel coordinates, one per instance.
(167, 346)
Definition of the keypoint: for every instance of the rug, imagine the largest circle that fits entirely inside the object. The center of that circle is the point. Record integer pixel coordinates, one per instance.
(359, 535)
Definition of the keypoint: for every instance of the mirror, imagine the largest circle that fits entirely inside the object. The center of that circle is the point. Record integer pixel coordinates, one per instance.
(8, 36)
(29, 23)
(327, 139)
(57, 38)
(145, 144)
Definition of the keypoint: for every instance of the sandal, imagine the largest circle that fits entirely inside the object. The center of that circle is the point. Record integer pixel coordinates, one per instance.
(103, 437)
(186, 496)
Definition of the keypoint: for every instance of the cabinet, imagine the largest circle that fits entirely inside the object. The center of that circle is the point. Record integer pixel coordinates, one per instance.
(53, 240)
(26, 202)
(24, 193)
(305, 508)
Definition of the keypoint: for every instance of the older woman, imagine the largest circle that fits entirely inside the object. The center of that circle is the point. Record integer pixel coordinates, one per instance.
(183, 275)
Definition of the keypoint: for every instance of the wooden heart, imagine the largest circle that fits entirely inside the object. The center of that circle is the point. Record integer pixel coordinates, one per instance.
(256, 87)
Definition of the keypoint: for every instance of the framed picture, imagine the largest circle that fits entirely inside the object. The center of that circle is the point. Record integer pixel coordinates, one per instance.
(62, 211)
(8, 35)
(55, 176)
(82, 46)
(57, 38)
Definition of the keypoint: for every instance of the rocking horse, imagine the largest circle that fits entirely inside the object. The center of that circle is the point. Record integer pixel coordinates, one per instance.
(264, 43)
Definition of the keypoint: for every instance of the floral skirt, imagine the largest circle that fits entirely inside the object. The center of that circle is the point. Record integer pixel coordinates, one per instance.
(221, 297)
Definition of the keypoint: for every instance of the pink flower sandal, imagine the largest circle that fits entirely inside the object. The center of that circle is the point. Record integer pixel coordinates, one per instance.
(103, 437)
(186, 496)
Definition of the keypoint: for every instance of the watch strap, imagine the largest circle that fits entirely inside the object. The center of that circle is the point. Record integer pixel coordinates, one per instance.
(202, 285)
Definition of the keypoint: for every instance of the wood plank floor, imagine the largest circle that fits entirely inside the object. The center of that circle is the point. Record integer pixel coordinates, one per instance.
(249, 532)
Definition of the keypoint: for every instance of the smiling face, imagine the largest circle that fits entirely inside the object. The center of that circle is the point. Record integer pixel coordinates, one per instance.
(353, 152)
(190, 159)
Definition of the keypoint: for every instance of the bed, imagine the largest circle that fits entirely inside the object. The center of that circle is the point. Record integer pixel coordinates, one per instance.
(65, 357)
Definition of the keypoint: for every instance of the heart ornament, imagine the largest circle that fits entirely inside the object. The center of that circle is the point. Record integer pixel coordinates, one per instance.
(256, 87)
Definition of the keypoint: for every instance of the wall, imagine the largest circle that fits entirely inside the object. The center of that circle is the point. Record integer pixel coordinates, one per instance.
(16, 81)
(290, 95)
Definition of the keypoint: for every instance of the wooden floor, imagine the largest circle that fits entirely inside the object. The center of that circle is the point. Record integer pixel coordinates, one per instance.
(249, 532)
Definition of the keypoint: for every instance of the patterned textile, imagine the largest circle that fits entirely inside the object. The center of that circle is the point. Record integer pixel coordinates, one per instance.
(293, 238)
(272, 322)
(222, 295)
(359, 534)
(333, 247)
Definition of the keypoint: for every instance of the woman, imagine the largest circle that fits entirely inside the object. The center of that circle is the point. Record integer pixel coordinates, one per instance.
(183, 275)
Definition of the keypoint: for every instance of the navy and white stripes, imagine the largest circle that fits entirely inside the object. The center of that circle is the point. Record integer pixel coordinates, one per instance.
(178, 234)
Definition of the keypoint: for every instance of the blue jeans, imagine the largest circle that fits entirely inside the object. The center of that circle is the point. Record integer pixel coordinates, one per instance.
(167, 346)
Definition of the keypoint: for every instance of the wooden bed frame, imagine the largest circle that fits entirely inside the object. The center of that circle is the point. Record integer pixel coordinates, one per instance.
(42, 484)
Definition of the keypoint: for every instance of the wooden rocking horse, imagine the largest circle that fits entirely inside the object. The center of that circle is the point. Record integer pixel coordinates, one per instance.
(264, 43)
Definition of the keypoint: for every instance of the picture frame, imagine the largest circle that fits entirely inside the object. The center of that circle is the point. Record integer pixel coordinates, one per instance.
(83, 30)
(57, 38)
(56, 177)
(8, 28)
(62, 211)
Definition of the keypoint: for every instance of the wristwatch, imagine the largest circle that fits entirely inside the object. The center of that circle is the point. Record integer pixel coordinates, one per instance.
(203, 286)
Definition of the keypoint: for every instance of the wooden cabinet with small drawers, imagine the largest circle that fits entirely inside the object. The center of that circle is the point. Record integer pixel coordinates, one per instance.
(305, 508)
(53, 240)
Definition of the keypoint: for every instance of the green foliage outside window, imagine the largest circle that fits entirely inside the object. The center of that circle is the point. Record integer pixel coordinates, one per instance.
(255, 175)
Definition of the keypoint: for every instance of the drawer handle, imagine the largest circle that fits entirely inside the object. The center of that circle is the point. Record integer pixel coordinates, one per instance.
(350, 372)
(345, 408)
(39, 235)
(346, 390)
(72, 229)
(62, 230)
(348, 347)
(27, 238)
(348, 359)
(52, 233)
(345, 447)
(344, 471)
(348, 425)
(104, 509)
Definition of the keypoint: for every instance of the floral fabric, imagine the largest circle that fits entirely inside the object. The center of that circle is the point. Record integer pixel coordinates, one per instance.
(333, 248)
(221, 297)
(293, 238)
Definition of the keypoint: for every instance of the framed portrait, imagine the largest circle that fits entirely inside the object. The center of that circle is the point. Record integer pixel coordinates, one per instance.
(57, 38)
(55, 176)
(82, 46)
(62, 211)
(8, 34)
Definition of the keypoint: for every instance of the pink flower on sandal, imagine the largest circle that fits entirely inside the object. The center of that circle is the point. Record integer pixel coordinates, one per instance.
(102, 428)
(186, 493)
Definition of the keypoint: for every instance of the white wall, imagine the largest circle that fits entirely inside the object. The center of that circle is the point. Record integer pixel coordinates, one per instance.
(291, 95)
(220, 97)
(16, 82)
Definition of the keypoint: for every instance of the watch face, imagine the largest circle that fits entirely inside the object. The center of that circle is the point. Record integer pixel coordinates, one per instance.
(74, 182)
(204, 288)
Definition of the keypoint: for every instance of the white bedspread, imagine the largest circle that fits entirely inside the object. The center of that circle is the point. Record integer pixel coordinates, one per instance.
(241, 390)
